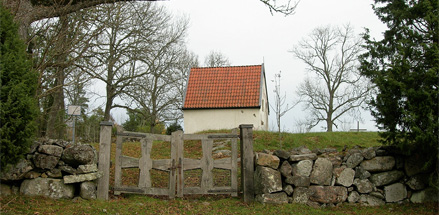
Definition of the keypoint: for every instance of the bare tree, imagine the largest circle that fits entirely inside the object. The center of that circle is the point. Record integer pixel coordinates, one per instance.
(56, 45)
(186, 61)
(156, 94)
(130, 29)
(280, 108)
(335, 86)
(216, 59)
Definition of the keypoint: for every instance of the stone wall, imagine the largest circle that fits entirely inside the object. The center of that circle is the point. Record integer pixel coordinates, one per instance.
(56, 169)
(369, 176)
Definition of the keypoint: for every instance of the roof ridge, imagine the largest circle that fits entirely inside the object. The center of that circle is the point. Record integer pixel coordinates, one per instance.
(225, 66)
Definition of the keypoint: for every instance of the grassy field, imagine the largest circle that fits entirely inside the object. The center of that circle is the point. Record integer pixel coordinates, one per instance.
(213, 204)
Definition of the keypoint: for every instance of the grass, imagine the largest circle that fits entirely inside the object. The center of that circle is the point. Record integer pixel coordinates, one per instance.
(137, 204)
(338, 140)
(212, 204)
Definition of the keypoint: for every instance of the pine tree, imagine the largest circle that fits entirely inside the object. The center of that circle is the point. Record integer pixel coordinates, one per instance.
(404, 66)
(18, 107)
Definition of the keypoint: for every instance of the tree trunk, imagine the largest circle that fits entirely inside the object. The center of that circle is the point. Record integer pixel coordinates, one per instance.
(329, 125)
(55, 123)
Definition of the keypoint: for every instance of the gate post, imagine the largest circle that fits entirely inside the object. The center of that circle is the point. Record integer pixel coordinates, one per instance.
(247, 162)
(104, 160)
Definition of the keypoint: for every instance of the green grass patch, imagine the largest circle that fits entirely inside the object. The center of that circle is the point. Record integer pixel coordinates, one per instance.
(138, 204)
(338, 140)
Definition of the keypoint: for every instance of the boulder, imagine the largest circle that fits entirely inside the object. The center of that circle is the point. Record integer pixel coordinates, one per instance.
(428, 195)
(363, 185)
(417, 182)
(346, 177)
(51, 150)
(267, 180)
(322, 172)
(395, 192)
(32, 174)
(34, 147)
(282, 154)
(273, 198)
(371, 201)
(377, 194)
(385, 178)
(49, 187)
(311, 156)
(87, 168)
(76, 155)
(262, 159)
(301, 195)
(17, 172)
(88, 190)
(54, 173)
(286, 169)
(301, 150)
(44, 161)
(298, 181)
(379, 164)
(68, 169)
(328, 194)
(302, 168)
(361, 173)
(368, 153)
(353, 197)
(288, 189)
(69, 179)
(354, 160)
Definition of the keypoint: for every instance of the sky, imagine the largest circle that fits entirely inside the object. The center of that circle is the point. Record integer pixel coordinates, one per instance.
(248, 34)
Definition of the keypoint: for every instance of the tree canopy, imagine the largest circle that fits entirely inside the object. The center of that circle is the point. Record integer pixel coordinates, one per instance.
(404, 67)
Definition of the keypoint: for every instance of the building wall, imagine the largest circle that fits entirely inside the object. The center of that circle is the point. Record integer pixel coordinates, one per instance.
(214, 119)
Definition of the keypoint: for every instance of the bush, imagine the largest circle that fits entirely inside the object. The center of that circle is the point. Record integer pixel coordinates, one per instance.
(173, 127)
(18, 107)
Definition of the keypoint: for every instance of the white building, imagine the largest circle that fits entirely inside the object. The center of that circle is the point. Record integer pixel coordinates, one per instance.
(225, 97)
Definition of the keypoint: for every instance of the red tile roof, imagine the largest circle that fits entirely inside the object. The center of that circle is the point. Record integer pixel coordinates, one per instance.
(223, 87)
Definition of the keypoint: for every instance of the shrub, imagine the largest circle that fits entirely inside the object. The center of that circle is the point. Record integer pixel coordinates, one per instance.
(18, 107)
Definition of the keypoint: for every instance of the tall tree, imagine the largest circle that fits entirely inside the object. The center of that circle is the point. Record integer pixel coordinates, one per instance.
(335, 87)
(18, 83)
(404, 67)
(129, 31)
(216, 59)
(156, 93)
(57, 45)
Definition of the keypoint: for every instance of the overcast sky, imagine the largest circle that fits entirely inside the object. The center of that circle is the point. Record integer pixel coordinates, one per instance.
(248, 34)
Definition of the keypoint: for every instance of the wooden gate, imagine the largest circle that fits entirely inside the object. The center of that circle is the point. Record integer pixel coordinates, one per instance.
(177, 164)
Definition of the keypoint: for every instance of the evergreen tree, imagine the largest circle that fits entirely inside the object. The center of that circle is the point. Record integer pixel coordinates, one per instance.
(404, 66)
(18, 107)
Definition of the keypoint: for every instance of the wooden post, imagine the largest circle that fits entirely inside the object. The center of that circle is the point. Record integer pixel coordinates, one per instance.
(104, 160)
(177, 162)
(247, 162)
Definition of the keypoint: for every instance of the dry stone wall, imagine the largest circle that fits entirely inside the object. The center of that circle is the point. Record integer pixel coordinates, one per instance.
(56, 169)
(369, 176)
